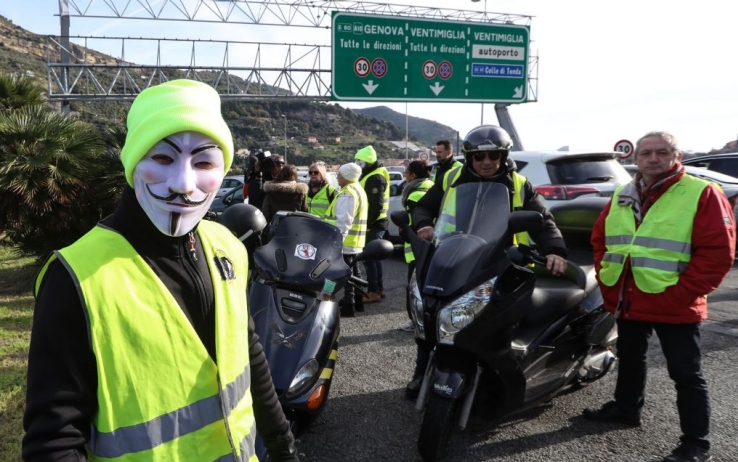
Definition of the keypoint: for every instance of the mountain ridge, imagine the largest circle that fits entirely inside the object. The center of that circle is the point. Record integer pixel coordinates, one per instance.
(315, 130)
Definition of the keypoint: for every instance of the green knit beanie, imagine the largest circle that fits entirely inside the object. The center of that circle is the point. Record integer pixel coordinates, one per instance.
(173, 107)
(367, 154)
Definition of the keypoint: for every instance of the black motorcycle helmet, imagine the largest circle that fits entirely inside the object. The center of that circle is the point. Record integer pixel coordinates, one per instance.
(243, 220)
(487, 138)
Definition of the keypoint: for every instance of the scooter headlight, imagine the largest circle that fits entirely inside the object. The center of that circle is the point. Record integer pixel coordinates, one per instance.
(304, 378)
(461, 312)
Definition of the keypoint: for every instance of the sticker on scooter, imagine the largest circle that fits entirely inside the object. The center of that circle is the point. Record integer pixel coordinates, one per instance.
(286, 340)
(305, 251)
(442, 388)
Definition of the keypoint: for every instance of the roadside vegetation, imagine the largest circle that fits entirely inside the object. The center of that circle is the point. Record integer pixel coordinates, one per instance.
(16, 313)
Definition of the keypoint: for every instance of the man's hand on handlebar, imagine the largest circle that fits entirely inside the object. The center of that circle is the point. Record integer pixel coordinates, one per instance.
(556, 264)
(426, 233)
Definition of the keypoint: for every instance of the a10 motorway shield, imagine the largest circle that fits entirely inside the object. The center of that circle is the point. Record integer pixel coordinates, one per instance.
(393, 58)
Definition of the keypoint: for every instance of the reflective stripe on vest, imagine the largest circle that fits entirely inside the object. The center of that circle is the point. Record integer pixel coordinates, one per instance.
(517, 201)
(385, 200)
(318, 204)
(660, 248)
(356, 236)
(169, 400)
(414, 196)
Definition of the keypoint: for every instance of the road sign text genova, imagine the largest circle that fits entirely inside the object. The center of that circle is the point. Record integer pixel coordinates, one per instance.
(393, 58)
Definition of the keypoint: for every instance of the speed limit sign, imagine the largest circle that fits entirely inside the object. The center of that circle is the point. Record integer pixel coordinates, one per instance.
(423, 156)
(624, 149)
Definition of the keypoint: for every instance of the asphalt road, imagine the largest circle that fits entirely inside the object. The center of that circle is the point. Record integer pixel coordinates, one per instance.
(368, 418)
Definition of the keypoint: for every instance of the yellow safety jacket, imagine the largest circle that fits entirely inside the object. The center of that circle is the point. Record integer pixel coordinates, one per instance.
(454, 164)
(518, 183)
(356, 236)
(318, 204)
(385, 200)
(660, 248)
(160, 395)
(414, 196)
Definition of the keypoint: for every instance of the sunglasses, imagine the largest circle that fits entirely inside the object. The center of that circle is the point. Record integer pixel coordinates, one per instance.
(279, 163)
(314, 173)
(491, 155)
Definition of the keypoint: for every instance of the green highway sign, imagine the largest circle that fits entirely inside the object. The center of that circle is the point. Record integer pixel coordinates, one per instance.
(394, 58)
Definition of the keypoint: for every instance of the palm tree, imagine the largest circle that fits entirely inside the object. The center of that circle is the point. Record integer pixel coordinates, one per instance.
(54, 172)
(17, 92)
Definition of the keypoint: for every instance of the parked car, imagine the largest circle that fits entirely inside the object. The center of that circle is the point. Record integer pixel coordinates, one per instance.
(566, 175)
(229, 183)
(728, 183)
(395, 175)
(234, 196)
(726, 164)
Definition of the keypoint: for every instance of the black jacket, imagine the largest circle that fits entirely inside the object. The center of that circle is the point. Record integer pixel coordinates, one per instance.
(256, 193)
(440, 169)
(548, 237)
(374, 187)
(61, 395)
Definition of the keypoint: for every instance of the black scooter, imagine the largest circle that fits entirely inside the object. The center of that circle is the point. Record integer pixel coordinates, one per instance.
(503, 332)
(291, 299)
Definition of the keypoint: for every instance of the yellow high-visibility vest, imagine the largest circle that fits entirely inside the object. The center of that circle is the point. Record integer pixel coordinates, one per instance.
(356, 236)
(318, 204)
(161, 397)
(414, 196)
(660, 249)
(385, 200)
(518, 183)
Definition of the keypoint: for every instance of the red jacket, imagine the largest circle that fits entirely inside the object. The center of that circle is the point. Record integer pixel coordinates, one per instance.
(713, 248)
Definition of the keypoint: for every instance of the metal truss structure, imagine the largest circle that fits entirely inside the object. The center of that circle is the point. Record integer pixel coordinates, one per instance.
(238, 70)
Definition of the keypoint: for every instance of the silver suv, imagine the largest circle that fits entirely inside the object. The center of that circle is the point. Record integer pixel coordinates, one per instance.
(566, 175)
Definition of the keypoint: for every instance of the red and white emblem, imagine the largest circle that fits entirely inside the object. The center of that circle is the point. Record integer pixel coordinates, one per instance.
(305, 251)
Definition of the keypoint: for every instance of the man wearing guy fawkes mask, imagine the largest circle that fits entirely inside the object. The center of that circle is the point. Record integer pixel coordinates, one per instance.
(142, 346)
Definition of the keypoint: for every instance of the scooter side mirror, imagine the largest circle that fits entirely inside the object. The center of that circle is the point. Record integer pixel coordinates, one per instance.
(376, 250)
(400, 218)
(524, 220)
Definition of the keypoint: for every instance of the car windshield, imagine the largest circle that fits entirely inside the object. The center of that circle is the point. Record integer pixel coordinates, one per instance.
(583, 170)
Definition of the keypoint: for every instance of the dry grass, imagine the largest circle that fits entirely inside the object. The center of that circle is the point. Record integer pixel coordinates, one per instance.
(16, 314)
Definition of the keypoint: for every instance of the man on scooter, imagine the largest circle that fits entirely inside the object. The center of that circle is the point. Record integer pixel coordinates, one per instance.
(487, 149)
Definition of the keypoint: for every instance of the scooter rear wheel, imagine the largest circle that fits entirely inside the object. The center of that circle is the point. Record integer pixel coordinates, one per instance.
(439, 421)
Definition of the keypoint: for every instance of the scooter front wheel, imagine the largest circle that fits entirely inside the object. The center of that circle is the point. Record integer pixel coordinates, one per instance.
(439, 421)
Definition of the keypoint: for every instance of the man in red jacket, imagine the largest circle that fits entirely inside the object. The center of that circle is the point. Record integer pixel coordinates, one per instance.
(661, 245)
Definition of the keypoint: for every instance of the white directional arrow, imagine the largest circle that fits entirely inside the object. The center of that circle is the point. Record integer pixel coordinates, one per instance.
(437, 89)
(518, 92)
(370, 87)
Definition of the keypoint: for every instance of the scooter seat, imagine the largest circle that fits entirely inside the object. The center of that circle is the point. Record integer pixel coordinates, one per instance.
(552, 298)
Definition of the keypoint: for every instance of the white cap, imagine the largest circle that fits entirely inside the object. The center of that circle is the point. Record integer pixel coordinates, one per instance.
(350, 172)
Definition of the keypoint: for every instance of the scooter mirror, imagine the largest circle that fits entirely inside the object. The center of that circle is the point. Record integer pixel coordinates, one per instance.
(400, 218)
(376, 250)
(524, 220)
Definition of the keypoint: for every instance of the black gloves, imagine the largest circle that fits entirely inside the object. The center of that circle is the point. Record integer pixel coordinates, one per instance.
(281, 449)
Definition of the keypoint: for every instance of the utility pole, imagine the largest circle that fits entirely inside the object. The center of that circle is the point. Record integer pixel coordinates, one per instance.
(285, 137)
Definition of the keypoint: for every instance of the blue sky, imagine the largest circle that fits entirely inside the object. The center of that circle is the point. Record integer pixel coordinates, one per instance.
(607, 70)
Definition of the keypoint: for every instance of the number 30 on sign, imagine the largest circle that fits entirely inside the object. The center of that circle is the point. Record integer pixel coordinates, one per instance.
(624, 149)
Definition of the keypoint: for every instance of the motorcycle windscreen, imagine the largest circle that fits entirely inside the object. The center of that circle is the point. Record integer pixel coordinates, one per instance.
(473, 219)
(303, 252)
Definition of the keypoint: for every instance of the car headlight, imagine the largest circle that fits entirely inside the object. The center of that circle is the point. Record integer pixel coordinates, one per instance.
(461, 312)
(416, 306)
(303, 378)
